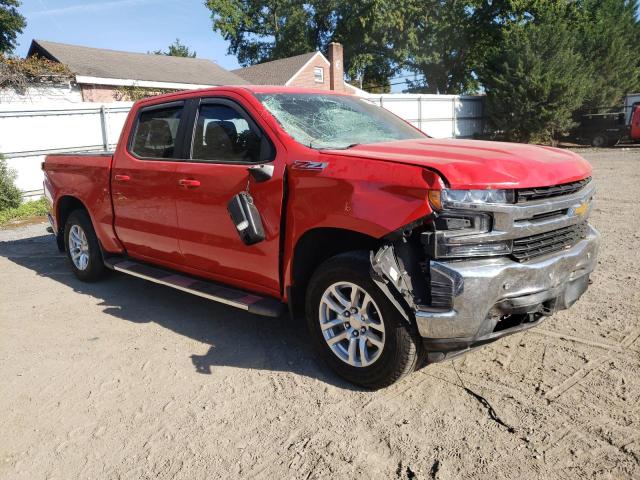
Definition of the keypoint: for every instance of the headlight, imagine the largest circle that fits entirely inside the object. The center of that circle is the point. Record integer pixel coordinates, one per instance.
(446, 197)
(459, 217)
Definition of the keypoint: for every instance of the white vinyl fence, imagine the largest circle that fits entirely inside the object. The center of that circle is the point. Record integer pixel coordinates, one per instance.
(440, 116)
(28, 132)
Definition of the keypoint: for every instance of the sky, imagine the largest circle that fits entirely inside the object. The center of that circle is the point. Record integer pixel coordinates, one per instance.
(129, 25)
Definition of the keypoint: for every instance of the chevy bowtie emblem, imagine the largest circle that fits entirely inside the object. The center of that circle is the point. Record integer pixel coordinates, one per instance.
(580, 210)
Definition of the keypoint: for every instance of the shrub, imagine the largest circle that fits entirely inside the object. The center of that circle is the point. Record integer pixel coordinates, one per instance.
(20, 73)
(33, 208)
(10, 196)
(133, 94)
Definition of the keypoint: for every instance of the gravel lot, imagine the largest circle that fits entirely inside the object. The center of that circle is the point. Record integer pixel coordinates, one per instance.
(126, 379)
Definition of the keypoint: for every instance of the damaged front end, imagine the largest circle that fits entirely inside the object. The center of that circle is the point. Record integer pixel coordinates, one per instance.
(476, 271)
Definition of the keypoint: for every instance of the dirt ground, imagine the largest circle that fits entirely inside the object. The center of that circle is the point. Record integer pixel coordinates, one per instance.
(126, 379)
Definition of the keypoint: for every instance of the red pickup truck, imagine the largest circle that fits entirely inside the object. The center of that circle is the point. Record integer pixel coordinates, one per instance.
(399, 249)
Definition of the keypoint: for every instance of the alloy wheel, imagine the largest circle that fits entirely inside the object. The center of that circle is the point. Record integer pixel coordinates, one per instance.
(351, 324)
(78, 247)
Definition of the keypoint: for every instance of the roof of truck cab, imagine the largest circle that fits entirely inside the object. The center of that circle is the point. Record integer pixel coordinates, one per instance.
(254, 89)
(257, 89)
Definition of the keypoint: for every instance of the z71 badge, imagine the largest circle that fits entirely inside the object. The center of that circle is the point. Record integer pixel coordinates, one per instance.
(302, 165)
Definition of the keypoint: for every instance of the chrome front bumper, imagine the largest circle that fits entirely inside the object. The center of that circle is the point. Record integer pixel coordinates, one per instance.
(487, 288)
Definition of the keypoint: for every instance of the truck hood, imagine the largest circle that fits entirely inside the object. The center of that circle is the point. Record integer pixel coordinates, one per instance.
(477, 164)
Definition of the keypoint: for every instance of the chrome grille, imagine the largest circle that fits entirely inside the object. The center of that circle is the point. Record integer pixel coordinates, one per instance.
(527, 248)
(538, 193)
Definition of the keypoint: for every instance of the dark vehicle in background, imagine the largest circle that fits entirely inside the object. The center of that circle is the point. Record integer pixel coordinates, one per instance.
(607, 127)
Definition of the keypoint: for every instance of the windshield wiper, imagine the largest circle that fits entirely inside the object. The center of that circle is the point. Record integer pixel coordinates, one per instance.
(341, 148)
(348, 146)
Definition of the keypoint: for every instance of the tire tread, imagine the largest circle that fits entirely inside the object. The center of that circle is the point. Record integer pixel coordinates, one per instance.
(404, 342)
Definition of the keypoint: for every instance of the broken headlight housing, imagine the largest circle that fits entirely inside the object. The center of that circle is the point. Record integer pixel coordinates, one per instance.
(453, 232)
(458, 221)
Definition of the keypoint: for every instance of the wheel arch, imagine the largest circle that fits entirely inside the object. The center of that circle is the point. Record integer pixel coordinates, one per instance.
(64, 207)
(314, 247)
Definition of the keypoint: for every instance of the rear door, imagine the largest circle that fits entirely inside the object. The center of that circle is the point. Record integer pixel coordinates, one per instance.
(144, 185)
(225, 143)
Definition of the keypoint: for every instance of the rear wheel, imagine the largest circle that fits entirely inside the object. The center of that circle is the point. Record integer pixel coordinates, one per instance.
(83, 249)
(599, 140)
(355, 328)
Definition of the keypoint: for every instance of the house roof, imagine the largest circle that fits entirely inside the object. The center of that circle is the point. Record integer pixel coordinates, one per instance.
(113, 64)
(276, 72)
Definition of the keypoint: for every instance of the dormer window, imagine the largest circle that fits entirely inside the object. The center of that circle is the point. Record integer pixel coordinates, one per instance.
(318, 74)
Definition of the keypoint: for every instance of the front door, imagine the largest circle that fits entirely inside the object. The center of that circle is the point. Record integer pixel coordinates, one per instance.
(144, 186)
(226, 141)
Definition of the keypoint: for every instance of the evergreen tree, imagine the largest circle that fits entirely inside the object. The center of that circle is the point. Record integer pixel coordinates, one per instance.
(535, 79)
(177, 49)
(608, 32)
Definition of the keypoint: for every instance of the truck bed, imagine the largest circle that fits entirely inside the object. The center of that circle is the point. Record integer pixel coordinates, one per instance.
(86, 176)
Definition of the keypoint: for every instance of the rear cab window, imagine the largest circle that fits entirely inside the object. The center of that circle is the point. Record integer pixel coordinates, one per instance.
(156, 131)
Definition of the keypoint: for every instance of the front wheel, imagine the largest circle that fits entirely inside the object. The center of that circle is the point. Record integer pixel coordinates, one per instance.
(354, 326)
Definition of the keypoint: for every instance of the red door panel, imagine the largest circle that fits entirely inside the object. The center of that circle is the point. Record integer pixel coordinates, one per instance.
(209, 240)
(145, 209)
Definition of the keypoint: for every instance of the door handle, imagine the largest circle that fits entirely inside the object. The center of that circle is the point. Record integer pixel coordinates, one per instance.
(189, 183)
(122, 178)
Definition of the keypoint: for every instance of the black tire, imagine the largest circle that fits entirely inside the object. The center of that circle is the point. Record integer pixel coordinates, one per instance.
(402, 350)
(599, 140)
(95, 269)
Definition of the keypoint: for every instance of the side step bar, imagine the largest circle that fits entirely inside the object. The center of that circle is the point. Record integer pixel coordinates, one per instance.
(250, 302)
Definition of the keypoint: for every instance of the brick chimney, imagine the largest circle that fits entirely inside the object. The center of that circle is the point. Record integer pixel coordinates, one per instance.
(336, 69)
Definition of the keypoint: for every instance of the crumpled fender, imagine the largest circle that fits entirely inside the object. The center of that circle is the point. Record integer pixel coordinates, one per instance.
(361, 195)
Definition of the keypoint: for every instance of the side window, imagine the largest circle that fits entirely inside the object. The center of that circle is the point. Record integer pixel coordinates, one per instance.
(223, 135)
(156, 132)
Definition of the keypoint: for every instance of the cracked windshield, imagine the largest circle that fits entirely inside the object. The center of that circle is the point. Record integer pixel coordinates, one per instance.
(334, 121)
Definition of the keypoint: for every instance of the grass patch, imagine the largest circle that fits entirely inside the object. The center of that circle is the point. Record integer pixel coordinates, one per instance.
(28, 209)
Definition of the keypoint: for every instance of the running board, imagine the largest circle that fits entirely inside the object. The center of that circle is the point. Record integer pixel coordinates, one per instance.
(252, 303)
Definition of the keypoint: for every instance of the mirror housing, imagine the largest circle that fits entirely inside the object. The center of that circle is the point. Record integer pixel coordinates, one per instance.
(261, 173)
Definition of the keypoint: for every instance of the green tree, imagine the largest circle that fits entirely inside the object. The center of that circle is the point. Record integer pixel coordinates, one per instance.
(11, 24)
(535, 79)
(372, 33)
(442, 47)
(449, 40)
(177, 49)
